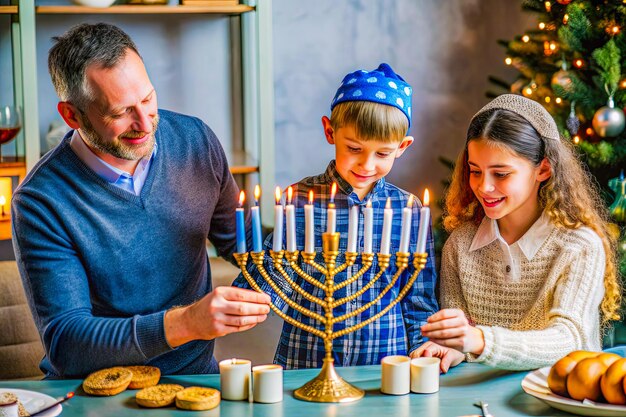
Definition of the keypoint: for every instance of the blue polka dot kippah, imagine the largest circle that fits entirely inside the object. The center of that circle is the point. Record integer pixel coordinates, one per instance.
(381, 85)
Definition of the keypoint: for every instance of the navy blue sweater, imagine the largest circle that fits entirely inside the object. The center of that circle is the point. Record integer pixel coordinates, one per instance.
(100, 265)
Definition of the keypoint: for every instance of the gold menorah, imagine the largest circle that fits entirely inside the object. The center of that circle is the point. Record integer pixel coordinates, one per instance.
(328, 386)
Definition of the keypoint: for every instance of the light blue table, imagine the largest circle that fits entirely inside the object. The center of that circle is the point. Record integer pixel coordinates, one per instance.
(460, 388)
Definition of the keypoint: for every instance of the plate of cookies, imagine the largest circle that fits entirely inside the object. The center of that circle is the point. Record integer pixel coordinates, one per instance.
(583, 383)
(31, 401)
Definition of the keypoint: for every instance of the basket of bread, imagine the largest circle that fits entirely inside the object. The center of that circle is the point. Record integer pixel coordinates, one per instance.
(112, 381)
(582, 382)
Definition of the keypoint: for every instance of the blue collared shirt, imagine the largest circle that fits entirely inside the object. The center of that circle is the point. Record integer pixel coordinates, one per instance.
(122, 179)
(395, 333)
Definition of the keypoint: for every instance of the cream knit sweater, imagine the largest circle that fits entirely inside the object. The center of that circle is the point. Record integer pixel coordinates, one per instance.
(552, 310)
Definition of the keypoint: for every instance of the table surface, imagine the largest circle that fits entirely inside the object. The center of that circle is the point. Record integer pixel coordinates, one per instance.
(460, 388)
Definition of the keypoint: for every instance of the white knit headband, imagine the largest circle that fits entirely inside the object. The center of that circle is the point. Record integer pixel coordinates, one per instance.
(529, 109)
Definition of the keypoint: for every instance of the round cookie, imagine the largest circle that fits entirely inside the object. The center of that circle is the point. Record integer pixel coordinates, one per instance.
(158, 396)
(109, 381)
(144, 376)
(197, 398)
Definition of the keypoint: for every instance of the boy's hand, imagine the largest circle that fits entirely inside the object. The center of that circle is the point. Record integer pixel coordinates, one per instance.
(449, 357)
(223, 311)
(449, 327)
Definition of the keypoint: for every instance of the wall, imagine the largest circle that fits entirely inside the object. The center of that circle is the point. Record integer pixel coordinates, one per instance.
(444, 49)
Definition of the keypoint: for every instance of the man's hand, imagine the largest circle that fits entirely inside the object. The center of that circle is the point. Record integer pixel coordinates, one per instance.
(449, 357)
(223, 311)
(449, 327)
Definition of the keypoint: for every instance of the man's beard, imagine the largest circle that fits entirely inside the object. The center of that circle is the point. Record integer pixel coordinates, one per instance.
(119, 148)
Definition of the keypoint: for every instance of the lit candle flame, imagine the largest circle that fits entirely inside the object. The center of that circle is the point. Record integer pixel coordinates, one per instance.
(277, 194)
(388, 203)
(310, 196)
(369, 203)
(3, 200)
(426, 197)
(289, 194)
(333, 191)
(409, 203)
(257, 193)
(242, 198)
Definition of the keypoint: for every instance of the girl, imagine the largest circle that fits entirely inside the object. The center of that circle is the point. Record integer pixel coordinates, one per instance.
(528, 273)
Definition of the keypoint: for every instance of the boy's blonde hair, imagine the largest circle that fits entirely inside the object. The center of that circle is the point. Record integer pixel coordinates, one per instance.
(371, 121)
(569, 197)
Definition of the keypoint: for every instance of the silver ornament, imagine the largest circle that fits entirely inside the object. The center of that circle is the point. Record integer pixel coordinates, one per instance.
(608, 121)
(572, 122)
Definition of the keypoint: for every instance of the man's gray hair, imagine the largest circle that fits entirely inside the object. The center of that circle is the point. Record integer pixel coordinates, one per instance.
(102, 44)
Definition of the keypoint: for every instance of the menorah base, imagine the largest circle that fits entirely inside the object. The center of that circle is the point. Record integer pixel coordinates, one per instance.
(328, 387)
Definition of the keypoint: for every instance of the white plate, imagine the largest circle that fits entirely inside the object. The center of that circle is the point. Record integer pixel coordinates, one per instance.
(536, 384)
(35, 401)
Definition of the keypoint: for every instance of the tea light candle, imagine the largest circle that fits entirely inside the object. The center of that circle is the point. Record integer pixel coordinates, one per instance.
(353, 228)
(267, 383)
(257, 238)
(309, 225)
(405, 236)
(424, 222)
(425, 375)
(235, 379)
(331, 213)
(290, 212)
(368, 215)
(241, 224)
(396, 375)
(385, 241)
(278, 223)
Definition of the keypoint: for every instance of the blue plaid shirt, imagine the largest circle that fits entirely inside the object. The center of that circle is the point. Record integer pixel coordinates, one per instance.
(398, 331)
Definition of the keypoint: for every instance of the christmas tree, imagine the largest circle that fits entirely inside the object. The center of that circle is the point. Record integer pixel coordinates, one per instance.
(571, 63)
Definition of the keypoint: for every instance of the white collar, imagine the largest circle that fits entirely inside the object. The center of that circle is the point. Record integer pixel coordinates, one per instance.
(529, 244)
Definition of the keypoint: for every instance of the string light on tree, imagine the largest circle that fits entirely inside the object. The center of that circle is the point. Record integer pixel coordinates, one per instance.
(542, 25)
(508, 60)
(565, 18)
(564, 2)
(525, 38)
(578, 63)
(548, 6)
(558, 100)
(576, 140)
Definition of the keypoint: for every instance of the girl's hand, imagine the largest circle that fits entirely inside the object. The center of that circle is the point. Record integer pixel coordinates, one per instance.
(449, 327)
(449, 357)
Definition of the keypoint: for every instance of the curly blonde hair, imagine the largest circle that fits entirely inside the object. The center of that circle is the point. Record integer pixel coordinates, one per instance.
(569, 197)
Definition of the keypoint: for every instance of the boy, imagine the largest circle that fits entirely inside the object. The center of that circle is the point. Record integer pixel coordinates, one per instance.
(370, 116)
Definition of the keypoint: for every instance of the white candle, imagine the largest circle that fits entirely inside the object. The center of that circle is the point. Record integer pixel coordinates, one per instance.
(425, 375)
(407, 214)
(290, 212)
(309, 225)
(278, 223)
(235, 379)
(331, 213)
(396, 375)
(353, 228)
(386, 237)
(267, 383)
(424, 222)
(368, 214)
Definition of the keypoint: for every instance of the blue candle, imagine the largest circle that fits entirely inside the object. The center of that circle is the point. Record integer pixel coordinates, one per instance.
(241, 225)
(257, 244)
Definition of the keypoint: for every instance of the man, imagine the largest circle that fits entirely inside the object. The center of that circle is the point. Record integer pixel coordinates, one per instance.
(110, 226)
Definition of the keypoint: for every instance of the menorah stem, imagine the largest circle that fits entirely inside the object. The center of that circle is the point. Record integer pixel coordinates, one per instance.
(330, 246)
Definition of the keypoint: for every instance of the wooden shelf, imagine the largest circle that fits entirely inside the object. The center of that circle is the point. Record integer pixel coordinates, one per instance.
(135, 9)
(242, 163)
(8, 9)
